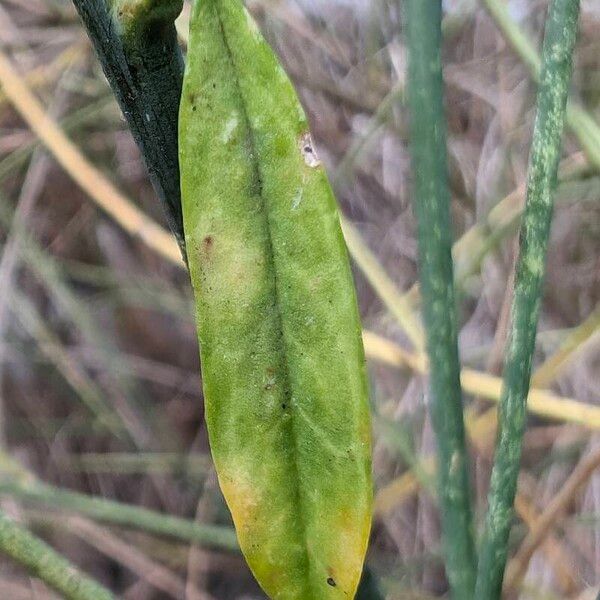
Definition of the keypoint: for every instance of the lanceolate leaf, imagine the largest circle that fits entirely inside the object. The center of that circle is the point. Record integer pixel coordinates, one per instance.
(282, 358)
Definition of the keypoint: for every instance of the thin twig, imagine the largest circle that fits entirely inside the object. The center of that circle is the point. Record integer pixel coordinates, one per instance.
(109, 511)
(129, 556)
(550, 516)
(394, 301)
(572, 345)
(539, 402)
(81, 171)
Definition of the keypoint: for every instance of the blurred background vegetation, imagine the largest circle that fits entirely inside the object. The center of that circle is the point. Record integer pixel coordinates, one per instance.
(100, 389)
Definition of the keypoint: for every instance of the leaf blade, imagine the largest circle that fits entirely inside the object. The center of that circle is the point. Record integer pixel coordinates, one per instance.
(283, 364)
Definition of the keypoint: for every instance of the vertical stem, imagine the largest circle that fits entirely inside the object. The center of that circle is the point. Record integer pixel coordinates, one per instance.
(136, 43)
(432, 207)
(42, 561)
(559, 42)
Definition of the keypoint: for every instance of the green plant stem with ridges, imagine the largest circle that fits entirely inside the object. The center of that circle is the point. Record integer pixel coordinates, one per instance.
(432, 207)
(561, 32)
(42, 561)
(136, 43)
(117, 513)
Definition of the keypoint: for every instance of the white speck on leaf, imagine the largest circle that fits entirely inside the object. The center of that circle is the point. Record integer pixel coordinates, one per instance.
(229, 128)
(308, 151)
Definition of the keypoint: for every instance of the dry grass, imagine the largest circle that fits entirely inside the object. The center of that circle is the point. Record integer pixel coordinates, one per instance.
(100, 390)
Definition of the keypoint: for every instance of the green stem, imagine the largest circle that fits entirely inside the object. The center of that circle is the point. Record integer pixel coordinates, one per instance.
(561, 32)
(117, 513)
(432, 207)
(42, 561)
(136, 43)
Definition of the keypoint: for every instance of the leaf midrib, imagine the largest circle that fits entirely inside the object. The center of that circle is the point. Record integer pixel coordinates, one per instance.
(288, 388)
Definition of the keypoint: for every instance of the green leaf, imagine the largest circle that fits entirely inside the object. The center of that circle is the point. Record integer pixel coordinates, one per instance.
(282, 358)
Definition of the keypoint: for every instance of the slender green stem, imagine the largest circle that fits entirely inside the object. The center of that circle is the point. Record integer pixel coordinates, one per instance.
(432, 207)
(136, 43)
(561, 32)
(42, 561)
(117, 513)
